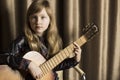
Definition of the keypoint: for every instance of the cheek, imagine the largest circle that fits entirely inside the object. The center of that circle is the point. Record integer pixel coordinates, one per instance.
(32, 26)
(31, 22)
(47, 22)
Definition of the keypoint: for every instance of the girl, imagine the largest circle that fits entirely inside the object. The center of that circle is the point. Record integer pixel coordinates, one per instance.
(40, 35)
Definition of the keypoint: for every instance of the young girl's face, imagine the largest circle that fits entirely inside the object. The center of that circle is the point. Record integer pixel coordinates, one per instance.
(39, 22)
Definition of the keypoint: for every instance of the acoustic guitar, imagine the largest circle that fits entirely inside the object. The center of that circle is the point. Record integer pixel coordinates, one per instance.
(47, 66)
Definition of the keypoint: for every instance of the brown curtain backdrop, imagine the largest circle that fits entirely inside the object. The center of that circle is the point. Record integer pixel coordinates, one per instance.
(100, 56)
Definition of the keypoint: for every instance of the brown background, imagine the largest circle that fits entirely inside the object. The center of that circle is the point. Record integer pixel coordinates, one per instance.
(100, 56)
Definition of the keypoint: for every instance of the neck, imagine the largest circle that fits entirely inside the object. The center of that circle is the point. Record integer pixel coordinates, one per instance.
(40, 34)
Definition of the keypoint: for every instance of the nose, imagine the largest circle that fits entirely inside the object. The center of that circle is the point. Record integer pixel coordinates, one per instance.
(38, 21)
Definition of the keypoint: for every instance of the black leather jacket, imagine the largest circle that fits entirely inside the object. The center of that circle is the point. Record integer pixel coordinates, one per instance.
(18, 49)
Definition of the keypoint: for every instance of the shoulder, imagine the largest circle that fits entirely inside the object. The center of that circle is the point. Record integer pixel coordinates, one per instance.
(19, 44)
(21, 39)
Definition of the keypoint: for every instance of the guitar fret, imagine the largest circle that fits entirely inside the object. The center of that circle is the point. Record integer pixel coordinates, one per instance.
(51, 64)
(69, 51)
(43, 70)
(62, 56)
(47, 69)
(66, 52)
(58, 58)
(48, 64)
(79, 42)
(72, 47)
(82, 40)
(52, 61)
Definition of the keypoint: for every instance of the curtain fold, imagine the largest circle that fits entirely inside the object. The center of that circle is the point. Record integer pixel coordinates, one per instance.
(100, 55)
(103, 40)
(71, 24)
(116, 56)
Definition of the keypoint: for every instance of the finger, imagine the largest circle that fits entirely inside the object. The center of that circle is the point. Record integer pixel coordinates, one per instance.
(38, 76)
(35, 76)
(76, 45)
(77, 52)
(77, 49)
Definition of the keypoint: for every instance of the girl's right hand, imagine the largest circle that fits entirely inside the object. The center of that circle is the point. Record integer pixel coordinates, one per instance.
(35, 70)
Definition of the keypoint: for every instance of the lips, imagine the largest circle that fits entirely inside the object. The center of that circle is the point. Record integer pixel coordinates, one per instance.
(39, 27)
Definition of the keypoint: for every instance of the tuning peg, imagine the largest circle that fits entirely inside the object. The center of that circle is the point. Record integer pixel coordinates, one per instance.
(87, 27)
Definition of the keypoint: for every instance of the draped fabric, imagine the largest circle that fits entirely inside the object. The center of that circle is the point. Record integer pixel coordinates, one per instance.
(100, 55)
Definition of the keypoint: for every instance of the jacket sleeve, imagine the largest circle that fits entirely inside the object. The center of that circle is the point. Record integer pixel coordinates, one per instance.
(66, 64)
(16, 53)
(3, 58)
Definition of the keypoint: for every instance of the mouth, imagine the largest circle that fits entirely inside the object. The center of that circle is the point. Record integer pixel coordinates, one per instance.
(39, 27)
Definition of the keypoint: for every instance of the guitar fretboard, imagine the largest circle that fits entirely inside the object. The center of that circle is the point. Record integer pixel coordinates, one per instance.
(62, 55)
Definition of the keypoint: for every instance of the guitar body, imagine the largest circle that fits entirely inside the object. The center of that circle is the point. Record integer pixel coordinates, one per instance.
(6, 73)
(38, 59)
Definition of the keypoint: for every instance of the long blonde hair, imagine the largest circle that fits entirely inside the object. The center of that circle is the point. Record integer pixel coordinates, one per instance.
(51, 34)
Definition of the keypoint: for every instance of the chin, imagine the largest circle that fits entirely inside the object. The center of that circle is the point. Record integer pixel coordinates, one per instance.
(39, 32)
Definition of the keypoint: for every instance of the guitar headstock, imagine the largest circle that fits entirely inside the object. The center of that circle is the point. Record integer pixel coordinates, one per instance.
(90, 30)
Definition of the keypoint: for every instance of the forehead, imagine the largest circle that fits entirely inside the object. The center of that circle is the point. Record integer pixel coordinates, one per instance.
(42, 12)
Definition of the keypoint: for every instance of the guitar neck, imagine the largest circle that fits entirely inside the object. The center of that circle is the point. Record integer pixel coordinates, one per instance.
(62, 55)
